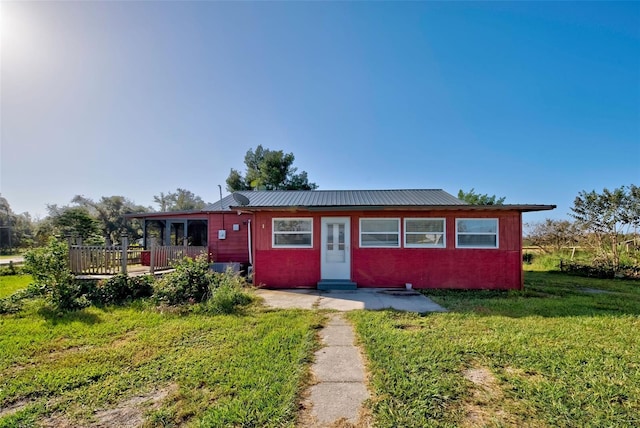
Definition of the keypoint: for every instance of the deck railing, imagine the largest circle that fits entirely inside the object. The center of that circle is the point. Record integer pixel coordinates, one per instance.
(164, 257)
(114, 259)
(96, 260)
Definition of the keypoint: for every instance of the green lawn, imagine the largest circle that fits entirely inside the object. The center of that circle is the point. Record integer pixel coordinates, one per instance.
(552, 356)
(201, 370)
(9, 284)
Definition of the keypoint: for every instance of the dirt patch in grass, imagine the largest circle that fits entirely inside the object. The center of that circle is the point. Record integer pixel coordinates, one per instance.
(408, 327)
(131, 412)
(483, 407)
(127, 414)
(57, 354)
(14, 408)
(487, 405)
(124, 340)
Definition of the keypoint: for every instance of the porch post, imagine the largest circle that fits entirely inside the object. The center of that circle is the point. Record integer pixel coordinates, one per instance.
(152, 258)
(144, 233)
(124, 240)
(167, 232)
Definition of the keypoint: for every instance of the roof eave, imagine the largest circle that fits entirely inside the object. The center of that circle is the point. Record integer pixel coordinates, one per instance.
(163, 214)
(459, 207)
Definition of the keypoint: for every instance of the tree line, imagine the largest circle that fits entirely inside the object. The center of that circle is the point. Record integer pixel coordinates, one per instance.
(103, 221)
(605, 222)
(96, 222)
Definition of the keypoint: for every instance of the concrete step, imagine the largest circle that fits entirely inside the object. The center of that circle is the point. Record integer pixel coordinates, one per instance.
(337, 284)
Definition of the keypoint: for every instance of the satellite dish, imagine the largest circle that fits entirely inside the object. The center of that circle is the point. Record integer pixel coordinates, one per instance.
(240, 198)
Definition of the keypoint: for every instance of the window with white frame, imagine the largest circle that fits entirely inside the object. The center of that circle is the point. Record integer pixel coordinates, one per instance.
(477, 233)
(292, 232)
(380, 232)
(424, 233)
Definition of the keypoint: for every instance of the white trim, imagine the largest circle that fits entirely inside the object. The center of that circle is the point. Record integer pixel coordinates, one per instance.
(443, 233)
(273, 232)
(497, 234)
(335, 270)
(399, 232)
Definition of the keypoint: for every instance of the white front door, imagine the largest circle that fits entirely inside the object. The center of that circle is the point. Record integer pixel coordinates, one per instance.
(336, 252)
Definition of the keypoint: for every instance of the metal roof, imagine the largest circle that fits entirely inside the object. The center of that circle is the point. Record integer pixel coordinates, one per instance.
(339, 198)
(351, 199)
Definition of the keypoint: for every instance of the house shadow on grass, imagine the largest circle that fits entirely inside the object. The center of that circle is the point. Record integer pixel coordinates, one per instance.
(547, 295)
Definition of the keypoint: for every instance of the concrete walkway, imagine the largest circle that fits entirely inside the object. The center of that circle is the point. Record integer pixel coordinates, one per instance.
(339, 371)
(337, 397)
(362, 298)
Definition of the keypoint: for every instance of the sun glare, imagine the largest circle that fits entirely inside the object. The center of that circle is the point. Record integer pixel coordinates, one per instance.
(22, 41)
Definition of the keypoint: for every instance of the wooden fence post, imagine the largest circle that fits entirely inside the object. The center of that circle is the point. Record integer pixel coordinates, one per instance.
(70, 245)
(152, 258)
(124, 240)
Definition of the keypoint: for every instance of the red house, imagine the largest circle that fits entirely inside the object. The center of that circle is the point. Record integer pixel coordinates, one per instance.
(365, 238)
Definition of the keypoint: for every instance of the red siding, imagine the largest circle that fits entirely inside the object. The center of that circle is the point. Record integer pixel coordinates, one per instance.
(234, 248)
(448, 267)
(285, 267)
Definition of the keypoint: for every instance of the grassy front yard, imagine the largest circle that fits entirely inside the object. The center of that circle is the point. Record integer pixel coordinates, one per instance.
(560, 354)
(554, 355)
(9, 284)
(120, 364)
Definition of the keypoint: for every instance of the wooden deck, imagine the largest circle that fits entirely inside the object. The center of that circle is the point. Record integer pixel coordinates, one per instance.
(132, 270)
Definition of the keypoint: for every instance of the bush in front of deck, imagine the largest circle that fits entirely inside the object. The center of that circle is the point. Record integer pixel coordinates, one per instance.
(191, 282)
(49, 267)
(120, 289)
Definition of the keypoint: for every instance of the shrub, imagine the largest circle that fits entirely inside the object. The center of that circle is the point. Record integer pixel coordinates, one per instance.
(12, 269)
(121, 288)
(229, 294)
(191, 281)
(13, 303)
(194, 282)
(49, 267)
(601, 270)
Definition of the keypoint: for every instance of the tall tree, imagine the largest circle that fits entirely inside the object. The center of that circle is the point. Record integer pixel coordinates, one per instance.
(44, 230)
(76, 221)
(553, 235)
(606, 217)
(180, 200)
(473, 198)
(269, 170)
(6, 232)
(110, 211)
(16, 230)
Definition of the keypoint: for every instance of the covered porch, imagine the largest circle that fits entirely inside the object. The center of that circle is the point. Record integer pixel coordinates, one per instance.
(174, 232)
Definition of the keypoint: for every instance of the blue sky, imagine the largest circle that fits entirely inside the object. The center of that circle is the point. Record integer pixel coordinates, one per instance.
(531, 101)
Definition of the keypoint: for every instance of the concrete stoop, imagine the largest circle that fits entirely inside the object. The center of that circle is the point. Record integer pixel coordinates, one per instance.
(336, 284)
